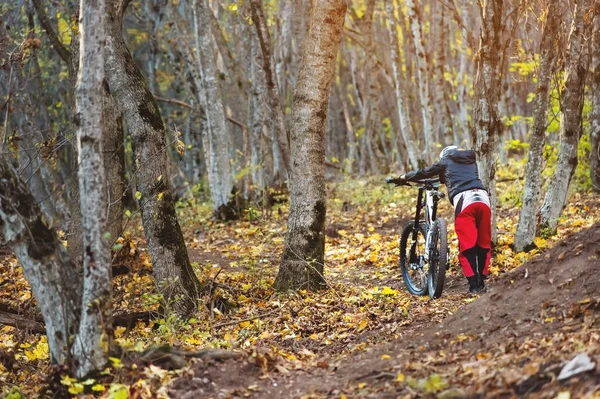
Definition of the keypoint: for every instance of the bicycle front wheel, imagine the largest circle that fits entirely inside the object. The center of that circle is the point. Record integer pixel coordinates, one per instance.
(412, 265)
(438, 258)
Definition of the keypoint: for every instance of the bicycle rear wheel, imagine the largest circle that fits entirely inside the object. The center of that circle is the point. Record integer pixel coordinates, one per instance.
(438, 258)
(414, 270)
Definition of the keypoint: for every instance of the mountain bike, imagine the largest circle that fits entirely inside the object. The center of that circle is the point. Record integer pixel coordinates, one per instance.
(424, 243)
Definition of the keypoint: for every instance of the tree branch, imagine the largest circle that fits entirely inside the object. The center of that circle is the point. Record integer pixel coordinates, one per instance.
(173, 101)
(60, 48)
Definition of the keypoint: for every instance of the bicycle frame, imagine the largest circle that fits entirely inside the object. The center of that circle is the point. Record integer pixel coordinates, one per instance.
(428, 198)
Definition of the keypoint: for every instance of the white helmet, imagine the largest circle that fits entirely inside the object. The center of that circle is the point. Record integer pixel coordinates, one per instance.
(446, 151)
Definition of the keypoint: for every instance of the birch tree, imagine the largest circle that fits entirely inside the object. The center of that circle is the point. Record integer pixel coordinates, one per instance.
(220, 178)
(93, 341)
(174, 275)
(422, 75)
(571, 108)
(533, 176)
(403, 115)
(303, 255)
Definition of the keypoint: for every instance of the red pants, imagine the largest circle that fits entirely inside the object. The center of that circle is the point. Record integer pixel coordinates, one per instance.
(474, 230)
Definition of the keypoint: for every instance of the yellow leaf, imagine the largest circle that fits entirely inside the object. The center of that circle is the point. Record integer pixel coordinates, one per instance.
(98, 388)
(385, 357)
(67, 381)
(138, 195)
(549, 319)
(371, 228)
(160, 195)
(586, 300)
(76, 389)
(362, 385)
(388, 291)
(362, 325)
(116, 362)
(233, 7)
(180, 147)
(244, 324)
(400, 377)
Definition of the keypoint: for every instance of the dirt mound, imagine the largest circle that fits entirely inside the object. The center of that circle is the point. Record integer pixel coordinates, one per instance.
(510, 342)
(567, 273)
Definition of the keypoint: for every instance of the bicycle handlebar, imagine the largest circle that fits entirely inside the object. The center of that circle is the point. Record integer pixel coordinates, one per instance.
(402, 182)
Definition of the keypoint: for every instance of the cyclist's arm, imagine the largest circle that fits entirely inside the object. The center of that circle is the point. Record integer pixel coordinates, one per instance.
(434, 170)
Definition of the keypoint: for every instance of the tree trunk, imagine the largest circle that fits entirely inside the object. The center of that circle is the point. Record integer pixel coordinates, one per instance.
(595, 133)
(403, 116)
(486, 122)
(274, 97)
(255, 115)
(92, 344)
(218, 156)
(175, 278)
(533, 176)
(422, 74)
(303, 256)
(571, 108)
(54, 280)
(445, 126)
(114, 163)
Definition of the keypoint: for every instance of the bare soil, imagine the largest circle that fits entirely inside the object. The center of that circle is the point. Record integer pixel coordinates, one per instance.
(510, 342)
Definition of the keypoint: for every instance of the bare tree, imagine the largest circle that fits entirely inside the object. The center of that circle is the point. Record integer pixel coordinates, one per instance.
(576, 65)
(423, 77)
(486, 122)
(170, 262)
(93, 341)
(595, 117)
(303, 256)
(218, 139)
(403, 116)
(533, 176)
(55, 281)
(274, 96)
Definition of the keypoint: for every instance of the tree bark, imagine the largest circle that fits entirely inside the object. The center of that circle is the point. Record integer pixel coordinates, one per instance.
(217, 152)
(303, 256)
(403, 116)
(92, 343)
(54, 279)
(175, 278)
(595, 117)
(422, 75)
(274, 97)
(487, 126)
(571, 108)
(533, 176)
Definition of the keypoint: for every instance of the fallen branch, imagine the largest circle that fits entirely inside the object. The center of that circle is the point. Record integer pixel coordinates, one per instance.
(230, 323)
(34, 321)
(14, 319)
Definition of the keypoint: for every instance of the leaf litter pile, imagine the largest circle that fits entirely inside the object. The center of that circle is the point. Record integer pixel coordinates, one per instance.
(363, 336)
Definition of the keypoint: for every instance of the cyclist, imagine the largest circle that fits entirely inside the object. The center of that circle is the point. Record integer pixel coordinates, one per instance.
(457, 169)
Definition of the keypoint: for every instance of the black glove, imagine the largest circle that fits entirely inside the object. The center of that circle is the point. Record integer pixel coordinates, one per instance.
(399, 181)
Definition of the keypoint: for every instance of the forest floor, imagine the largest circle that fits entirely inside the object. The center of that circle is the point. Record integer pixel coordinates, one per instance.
(364, 336)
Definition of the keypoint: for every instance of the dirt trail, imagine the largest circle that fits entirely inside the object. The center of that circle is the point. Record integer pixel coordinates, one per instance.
(510, 342)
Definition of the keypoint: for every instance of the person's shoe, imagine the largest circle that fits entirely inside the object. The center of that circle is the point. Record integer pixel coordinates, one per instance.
(474, 286)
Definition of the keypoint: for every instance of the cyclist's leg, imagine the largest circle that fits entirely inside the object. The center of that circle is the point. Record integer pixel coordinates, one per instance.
(466, 231)
(484, 237)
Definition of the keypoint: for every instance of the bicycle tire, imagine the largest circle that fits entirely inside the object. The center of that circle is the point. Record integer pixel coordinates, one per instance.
(405, 269)
(438, 259)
